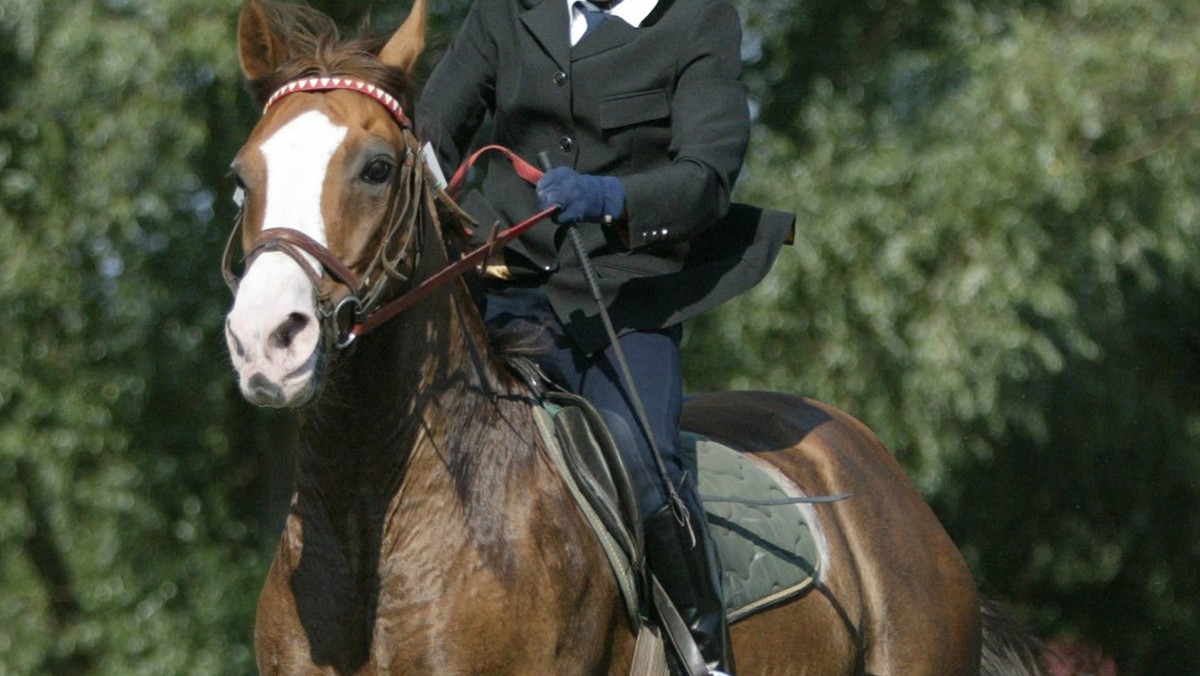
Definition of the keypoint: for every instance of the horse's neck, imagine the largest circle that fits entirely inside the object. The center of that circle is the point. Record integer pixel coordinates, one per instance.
(405, 384)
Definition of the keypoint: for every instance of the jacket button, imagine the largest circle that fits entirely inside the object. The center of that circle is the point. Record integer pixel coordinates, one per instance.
(560, 78)
(566, 143)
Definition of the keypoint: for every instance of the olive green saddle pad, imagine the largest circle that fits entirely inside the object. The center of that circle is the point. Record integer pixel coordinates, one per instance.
(769, 552)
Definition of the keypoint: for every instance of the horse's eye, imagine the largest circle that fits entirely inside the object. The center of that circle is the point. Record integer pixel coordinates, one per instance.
(377, 171)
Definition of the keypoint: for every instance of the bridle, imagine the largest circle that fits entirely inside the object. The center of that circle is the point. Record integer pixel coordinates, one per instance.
(365, 306)
(344, 316)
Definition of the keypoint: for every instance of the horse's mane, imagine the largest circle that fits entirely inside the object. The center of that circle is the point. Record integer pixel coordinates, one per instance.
(315, 47)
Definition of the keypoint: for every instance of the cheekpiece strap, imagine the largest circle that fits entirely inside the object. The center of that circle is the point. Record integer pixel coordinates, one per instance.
(319, 84)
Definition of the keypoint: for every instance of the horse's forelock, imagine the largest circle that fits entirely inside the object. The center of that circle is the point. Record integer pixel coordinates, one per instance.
(315, 47)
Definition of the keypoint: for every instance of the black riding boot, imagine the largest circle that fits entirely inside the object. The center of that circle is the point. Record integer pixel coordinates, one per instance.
(691, 577)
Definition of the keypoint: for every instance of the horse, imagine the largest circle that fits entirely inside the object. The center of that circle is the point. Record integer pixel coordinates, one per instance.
(428, 530)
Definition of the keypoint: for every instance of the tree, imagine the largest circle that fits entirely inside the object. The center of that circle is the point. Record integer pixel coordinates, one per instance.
(858, 47)
(995, 268)
(126, 498)
(998, 274)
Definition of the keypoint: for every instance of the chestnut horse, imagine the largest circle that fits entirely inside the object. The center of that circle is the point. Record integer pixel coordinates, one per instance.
(428, 531)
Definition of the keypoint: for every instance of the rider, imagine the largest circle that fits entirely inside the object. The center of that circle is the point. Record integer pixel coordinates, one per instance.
(640, 107)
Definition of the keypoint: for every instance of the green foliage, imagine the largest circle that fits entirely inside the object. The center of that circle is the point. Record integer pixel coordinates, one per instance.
(998, 273)
(856, 46)
(995, 267)
(122, 551)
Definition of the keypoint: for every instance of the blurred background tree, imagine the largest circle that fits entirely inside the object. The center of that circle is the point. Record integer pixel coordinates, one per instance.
(995, 267)
(129, 488)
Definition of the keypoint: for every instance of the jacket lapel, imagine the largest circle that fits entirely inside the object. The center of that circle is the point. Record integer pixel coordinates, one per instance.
(547, 20)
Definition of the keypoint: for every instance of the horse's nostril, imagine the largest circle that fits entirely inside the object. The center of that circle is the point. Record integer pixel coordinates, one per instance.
(289, 329)
(233, 339)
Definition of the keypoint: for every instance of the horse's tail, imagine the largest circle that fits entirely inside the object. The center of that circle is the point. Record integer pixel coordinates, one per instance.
(1009, 649)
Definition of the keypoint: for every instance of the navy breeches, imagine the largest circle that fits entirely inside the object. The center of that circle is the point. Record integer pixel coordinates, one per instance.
(654, 361)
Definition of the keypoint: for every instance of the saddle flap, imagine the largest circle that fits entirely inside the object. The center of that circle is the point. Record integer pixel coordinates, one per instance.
(595, 464)
(615, 543)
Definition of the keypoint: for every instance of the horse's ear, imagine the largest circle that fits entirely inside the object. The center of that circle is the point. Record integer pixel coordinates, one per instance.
(260, 49)
(407, 43)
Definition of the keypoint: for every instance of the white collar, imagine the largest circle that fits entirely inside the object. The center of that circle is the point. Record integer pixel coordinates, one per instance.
(632, 12)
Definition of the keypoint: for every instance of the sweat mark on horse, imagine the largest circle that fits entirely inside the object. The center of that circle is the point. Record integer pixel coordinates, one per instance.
(428, 531)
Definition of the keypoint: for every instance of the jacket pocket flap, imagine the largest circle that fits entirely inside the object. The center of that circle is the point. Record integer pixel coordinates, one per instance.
(628, 109)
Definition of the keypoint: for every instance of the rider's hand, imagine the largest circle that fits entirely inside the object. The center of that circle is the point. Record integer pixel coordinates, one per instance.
(581, 197)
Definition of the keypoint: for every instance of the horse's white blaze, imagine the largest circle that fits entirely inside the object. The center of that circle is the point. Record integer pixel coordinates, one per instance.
(298, 156)
(273, 331)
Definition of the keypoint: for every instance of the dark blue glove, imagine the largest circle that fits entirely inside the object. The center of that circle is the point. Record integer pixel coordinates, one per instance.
(581, 197)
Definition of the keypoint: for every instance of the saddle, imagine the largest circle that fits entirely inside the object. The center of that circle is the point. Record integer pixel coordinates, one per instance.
(770, 548)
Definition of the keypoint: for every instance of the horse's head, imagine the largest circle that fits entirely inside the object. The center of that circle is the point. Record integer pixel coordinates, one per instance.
(323, 180)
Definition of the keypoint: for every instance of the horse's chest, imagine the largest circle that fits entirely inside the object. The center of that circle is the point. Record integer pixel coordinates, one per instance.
(453, 614)
(424, 609)
(454, 595)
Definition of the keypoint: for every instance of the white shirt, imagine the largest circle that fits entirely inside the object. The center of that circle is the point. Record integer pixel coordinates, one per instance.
(632, 12)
